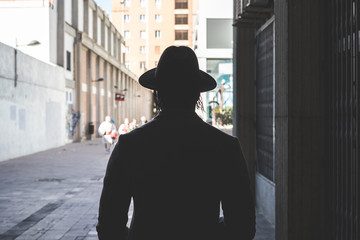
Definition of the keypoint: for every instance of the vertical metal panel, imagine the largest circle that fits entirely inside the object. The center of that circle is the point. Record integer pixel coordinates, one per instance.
(343, 117)
(264, 102)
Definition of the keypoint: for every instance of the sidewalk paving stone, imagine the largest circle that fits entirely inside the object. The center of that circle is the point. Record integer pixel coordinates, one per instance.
(55, 194)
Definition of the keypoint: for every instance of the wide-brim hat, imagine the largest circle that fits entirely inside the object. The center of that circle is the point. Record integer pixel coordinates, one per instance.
(177, 70)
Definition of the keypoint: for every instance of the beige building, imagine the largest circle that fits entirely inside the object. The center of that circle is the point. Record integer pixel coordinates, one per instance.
(149, 26)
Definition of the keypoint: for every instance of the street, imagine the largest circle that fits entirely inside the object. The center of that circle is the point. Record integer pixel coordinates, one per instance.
(54, 194)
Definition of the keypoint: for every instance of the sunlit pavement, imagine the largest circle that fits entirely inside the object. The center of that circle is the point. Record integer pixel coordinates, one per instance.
(55, 194)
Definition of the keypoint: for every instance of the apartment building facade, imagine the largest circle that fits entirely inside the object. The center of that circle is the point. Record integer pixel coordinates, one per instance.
(149, 26)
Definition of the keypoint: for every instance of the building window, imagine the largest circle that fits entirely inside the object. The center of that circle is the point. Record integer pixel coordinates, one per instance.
(181, 4)
(106, 35)
(112, 47)
(142, 18)
(181, 35)
(142, 65)
(68, 60)
(181, 19)
(157, 49)
(157, 34)
(98, 33)
(90, 22)
(158, 18)
(127, 3)
(142, 34)
(126, 18)
(158, 3)
(126, 34)
(127, 49)
(69, 96)
(127, 65)
(142, 49)
(94, 25)
(143, 3)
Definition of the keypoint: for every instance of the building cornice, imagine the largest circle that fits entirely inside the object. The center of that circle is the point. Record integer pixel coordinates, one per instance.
(100, 13)
(107, 22)
(70, 29)
(92, 4)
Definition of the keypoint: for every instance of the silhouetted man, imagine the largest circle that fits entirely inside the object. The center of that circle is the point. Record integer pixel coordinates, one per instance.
(176, 167)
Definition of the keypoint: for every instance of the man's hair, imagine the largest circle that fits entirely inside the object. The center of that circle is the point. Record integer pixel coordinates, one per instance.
(166, 99)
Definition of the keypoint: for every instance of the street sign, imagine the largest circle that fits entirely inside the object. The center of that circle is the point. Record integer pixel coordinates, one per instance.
(119, 97)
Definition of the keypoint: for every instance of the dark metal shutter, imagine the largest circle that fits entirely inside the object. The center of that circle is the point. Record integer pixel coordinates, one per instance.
(264, 102)
(343, 120)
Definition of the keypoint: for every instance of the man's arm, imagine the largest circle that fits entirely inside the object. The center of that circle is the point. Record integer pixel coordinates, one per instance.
(115, 198)
(237, 201)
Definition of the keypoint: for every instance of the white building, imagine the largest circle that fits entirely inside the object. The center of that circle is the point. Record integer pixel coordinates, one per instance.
(213, 46)
(24, 21)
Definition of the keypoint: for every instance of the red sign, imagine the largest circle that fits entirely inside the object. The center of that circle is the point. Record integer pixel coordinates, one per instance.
(119, 97)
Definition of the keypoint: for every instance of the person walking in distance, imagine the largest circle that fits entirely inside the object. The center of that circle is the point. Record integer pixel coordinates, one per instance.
(105, 130)
(125, 127)
(133, 124)
(172, 167)
(142, 121)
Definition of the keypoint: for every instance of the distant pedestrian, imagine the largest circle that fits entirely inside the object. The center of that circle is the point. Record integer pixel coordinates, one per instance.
(113, 134)
(142, 121)
(105, 130)
(177, 168)
(133, 124)
(125, 127)
(113, 126)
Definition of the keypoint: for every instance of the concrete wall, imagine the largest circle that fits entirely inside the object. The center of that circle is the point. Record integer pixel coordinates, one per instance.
(33, 112)
(68, 11)
(244, 95)
(265, 197)
(91, 22)
(80, 12)
(53, 40)
(300, 118)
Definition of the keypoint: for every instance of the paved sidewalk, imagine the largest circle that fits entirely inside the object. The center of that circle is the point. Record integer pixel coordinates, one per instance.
(55, 194)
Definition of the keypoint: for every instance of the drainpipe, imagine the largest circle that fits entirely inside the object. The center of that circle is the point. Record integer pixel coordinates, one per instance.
(77, 59)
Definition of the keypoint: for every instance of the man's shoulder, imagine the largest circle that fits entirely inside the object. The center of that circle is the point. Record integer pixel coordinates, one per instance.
(139, 131)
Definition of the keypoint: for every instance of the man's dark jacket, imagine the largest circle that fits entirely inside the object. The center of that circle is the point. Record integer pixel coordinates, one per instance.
(178, 169)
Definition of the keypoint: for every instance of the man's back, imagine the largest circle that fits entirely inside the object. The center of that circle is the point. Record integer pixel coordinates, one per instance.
(177, 169)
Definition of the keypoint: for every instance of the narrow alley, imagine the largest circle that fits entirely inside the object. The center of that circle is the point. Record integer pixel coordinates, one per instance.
(54, 194)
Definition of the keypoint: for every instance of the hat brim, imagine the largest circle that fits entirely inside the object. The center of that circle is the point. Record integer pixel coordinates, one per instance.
(206, 82)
